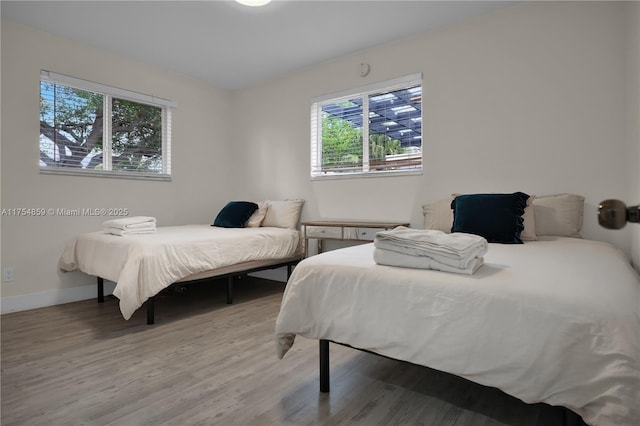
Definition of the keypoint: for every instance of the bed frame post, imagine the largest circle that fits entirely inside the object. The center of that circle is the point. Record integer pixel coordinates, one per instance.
(324, 366)
(229, 289)
(100, 290)
(151, 305)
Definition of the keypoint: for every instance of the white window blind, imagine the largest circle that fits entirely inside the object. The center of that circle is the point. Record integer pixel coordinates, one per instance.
(372, 130)
(94, 129)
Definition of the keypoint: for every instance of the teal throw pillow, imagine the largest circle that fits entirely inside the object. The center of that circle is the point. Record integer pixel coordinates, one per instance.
(235, 214)
(496, 217)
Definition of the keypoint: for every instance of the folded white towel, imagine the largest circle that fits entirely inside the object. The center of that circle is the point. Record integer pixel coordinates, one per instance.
(132, 222)
(122, 232)
(456, 250)
(392, 258)
(457, 243)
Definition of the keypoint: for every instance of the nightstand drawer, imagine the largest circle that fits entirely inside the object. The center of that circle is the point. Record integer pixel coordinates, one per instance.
(324, 232)
(359, 234)
(366, 234)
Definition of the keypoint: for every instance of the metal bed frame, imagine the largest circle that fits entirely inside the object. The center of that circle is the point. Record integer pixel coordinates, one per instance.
(150, 302)
(569, 418)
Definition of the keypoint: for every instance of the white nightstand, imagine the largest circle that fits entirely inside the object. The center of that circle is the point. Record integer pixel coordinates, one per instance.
(342, 231)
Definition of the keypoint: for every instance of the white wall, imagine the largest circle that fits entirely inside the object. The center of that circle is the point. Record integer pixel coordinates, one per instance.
(32, 245)
(530, 98)
(633, 125)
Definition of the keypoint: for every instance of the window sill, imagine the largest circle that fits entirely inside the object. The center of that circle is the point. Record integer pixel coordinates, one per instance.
(366, 175)
(104, 174)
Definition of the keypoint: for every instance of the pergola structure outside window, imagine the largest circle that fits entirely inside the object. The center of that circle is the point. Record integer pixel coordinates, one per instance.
(371, 131)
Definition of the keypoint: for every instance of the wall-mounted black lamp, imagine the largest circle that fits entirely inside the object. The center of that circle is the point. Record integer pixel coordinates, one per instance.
(614, 214)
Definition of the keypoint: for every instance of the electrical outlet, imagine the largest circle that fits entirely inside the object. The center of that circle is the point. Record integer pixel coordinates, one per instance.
(8, 274)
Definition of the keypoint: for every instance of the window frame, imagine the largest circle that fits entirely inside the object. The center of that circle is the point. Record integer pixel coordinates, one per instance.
(109, 93)
(382, 87)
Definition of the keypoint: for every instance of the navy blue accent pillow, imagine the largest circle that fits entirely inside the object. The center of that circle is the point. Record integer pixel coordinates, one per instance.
(235, 214)
(496, 217)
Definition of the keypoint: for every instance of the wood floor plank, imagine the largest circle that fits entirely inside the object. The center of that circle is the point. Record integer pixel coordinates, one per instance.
(208, 363)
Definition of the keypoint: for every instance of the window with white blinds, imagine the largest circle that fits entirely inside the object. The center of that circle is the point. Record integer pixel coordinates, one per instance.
(373, 130)
(93, 129)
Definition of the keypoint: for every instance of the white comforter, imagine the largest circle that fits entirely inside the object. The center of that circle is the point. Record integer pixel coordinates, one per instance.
(555, 320)
(144, 264)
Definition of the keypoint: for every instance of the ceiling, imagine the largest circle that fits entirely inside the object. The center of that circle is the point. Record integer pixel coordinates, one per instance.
(233, 46)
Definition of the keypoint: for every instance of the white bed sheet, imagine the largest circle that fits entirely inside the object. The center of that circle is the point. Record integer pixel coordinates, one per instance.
(555, 320)
(142, 265)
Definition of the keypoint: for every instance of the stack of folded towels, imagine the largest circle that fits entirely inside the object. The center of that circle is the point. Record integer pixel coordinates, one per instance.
(430, 249)
(130, 225)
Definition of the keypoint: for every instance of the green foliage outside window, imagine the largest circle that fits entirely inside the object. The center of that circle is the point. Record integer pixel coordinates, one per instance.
(382, 145)
(342, 143)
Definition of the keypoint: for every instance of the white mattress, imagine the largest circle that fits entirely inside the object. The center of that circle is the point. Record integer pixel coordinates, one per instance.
(144, 264)
(555, 320)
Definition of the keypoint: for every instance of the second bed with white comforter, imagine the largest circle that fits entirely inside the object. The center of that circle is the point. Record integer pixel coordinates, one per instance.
(555, 320)
(142, 265)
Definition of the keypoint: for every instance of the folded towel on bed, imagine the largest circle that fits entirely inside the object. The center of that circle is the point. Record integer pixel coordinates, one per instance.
(133, 222)
(457, 249)
(393, 258)
(122, 232)
(130, 225)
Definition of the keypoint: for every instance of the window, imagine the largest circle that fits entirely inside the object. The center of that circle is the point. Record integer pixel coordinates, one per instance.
(374, 130)
(90, 128)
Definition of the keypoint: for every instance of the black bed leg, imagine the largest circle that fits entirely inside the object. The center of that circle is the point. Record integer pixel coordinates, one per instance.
(151, 305)
(229, 290)
(324, 366)
(100, 290)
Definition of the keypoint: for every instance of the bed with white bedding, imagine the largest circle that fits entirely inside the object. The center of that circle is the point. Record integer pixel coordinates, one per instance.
(142, 265)
(555, 320)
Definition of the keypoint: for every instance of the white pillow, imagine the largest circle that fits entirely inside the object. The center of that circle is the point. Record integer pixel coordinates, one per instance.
(439, 215)
(529, 220)
(559, 215)
(283, 214)
(258, 216)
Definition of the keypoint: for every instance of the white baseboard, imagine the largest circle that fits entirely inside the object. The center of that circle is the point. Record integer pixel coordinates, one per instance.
(25, 302)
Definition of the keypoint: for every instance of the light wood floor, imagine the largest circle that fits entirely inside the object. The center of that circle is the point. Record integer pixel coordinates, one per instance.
(208, 363)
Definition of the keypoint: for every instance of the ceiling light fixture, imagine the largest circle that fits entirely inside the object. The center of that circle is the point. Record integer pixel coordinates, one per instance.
(254, 3)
